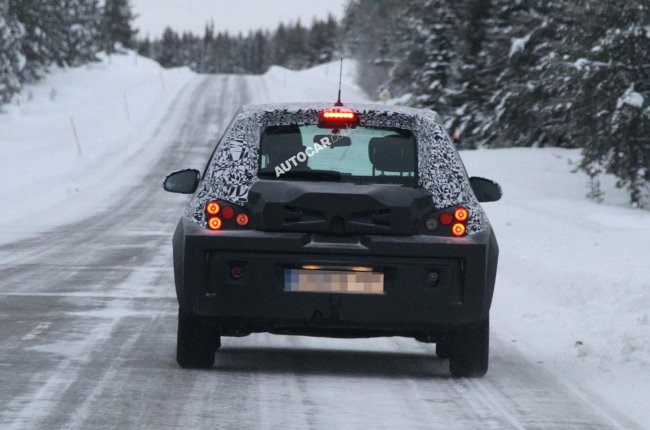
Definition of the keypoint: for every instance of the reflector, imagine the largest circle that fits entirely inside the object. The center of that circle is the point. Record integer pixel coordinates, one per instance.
(431, 224)
(242, 219)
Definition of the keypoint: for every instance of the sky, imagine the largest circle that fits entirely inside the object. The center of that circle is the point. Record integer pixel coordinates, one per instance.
(231, 15)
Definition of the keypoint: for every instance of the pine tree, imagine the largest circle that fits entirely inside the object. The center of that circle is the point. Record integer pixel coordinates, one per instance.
(11, 59)
(41, 42)
(468, 90)
(81, 32)
(512, 83)
(297, 49)
(259, 48)
(145, 47)
(370, 32)
(116, 25)
(611, 89)
(323, 41)
(169, 45)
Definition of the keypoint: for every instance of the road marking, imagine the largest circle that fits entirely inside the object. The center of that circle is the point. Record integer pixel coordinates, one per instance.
(39, 329)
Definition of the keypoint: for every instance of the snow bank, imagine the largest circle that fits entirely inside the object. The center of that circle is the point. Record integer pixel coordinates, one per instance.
(112, 107)
(573, 287)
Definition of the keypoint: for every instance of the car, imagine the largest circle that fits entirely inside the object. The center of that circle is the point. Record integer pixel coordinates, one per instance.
(323, 219)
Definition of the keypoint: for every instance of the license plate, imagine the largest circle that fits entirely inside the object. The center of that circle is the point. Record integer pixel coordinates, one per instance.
(333, 281)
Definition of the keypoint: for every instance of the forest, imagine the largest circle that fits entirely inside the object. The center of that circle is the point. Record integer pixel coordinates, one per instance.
(502, 73)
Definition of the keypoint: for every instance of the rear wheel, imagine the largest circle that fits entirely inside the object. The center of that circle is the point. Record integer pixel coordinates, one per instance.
(469, 354)
(198, 339)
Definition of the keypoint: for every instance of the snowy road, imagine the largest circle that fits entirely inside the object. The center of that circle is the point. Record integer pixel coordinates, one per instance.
(87, 341)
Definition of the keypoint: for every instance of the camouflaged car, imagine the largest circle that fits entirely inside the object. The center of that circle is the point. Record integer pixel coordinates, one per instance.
(338, 221)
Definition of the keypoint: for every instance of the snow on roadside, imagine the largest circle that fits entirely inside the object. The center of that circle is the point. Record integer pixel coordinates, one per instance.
(317, 84)
(573, 286)
(113, 106)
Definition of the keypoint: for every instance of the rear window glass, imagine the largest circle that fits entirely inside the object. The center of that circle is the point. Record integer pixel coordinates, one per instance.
(361, 154)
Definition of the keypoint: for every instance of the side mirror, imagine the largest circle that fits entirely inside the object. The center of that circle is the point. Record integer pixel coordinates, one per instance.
(485, 189)
(182, 181)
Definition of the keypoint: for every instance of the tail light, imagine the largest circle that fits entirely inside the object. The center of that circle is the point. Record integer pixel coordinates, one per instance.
(461, 214)
(212, 208)
(448, 222)
(215, 223)
(458, 229)
(222, 215)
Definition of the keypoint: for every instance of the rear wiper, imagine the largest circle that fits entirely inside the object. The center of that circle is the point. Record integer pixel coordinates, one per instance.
(313, 175)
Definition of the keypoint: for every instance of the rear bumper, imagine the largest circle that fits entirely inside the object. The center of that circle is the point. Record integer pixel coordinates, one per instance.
(411, 304)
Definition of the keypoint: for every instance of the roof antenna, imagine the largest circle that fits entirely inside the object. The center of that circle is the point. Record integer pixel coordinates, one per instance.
(338, 102)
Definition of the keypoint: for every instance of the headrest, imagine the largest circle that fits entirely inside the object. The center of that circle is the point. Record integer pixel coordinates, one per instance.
(392, 154)
(282, 138)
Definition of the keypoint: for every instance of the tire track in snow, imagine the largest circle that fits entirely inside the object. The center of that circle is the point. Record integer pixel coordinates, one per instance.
(65, 377)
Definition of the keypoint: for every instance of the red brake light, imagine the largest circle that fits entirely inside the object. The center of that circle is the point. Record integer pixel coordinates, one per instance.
(446, 218)
(338, 114)
(214, 223)
(212, 208)
(338, 117)
(227, 212)
(461, 214)
(458, 229)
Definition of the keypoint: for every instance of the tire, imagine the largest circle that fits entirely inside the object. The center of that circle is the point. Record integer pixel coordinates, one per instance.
(470, 352)
(443, 349)
(198, 339)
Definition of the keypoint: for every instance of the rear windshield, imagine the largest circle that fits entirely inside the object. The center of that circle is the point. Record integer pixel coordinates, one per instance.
(361, 154)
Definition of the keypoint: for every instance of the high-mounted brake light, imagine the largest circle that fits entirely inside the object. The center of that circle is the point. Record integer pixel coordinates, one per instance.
(214, 223)
(458, 229)
(337, 114)
(212, 208)
(461, 214)
(338, 117)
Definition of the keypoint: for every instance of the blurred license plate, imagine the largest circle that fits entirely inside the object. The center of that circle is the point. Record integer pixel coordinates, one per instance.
(333, 281)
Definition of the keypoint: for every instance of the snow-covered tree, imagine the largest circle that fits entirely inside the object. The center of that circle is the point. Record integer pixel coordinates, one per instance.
(41, 42)
(116, 25)
(11, 58)
(370, 35)
(81, 32)
(428, 36)
(324, 41)
(610, 79)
